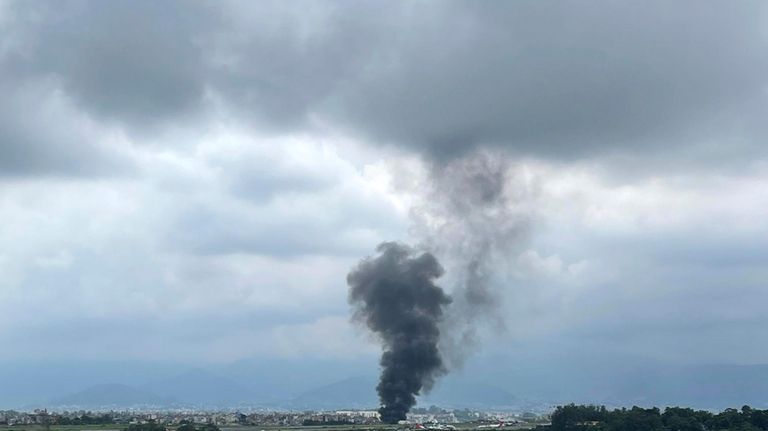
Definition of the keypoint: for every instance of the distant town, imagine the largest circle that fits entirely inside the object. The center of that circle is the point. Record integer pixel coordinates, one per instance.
(569, 417)
(432, 418)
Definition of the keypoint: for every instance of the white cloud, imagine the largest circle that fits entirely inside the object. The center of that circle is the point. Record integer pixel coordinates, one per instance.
(119, 249)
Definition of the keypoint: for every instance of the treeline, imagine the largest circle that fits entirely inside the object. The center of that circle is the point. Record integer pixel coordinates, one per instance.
(598, 418)
(86, 419)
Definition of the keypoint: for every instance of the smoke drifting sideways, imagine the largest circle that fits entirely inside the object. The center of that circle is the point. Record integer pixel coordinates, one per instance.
(476, 214)
(394, 294)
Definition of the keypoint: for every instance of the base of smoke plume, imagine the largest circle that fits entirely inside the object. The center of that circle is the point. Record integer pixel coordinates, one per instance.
(394, 294)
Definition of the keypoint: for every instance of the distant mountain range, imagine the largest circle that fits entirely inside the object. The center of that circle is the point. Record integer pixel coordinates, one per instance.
(352, 393)
(194, 388)
(111, 395)
(198, 387)
(202, 389)
(318, 385)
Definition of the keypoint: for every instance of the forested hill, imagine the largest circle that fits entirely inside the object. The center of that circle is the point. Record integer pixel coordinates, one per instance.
(597, 418)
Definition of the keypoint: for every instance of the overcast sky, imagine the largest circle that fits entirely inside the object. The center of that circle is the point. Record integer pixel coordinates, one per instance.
(193, 180)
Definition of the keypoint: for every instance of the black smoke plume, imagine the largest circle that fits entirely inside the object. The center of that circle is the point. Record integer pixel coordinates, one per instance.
(394, 294)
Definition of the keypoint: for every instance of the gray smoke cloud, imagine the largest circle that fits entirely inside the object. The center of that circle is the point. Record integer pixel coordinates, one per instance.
(394, 294)
(474, 215)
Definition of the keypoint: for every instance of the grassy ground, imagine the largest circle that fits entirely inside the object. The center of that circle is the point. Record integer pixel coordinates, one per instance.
(459, 427)
(314, 427)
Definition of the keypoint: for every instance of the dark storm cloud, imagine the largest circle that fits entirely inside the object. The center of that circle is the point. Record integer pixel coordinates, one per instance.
(146, 64)
(562, 79)
(135, 62)
(287, 60)
(47, 74)
(543, 78)
(39, 137)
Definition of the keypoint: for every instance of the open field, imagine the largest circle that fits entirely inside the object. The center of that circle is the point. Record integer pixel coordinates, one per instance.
(378, 427)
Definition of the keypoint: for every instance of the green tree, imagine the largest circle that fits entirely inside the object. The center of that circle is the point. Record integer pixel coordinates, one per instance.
(574, 418)
(684, 419)
(149, 426)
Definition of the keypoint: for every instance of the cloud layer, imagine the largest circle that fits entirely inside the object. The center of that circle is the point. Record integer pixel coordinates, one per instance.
(220, 166)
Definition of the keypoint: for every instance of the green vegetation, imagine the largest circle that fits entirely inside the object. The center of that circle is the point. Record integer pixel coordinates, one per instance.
(86, 419)
(594, 418)
(149, 426)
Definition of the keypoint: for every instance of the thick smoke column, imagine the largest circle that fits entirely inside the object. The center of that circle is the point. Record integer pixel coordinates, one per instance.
(394, 294)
